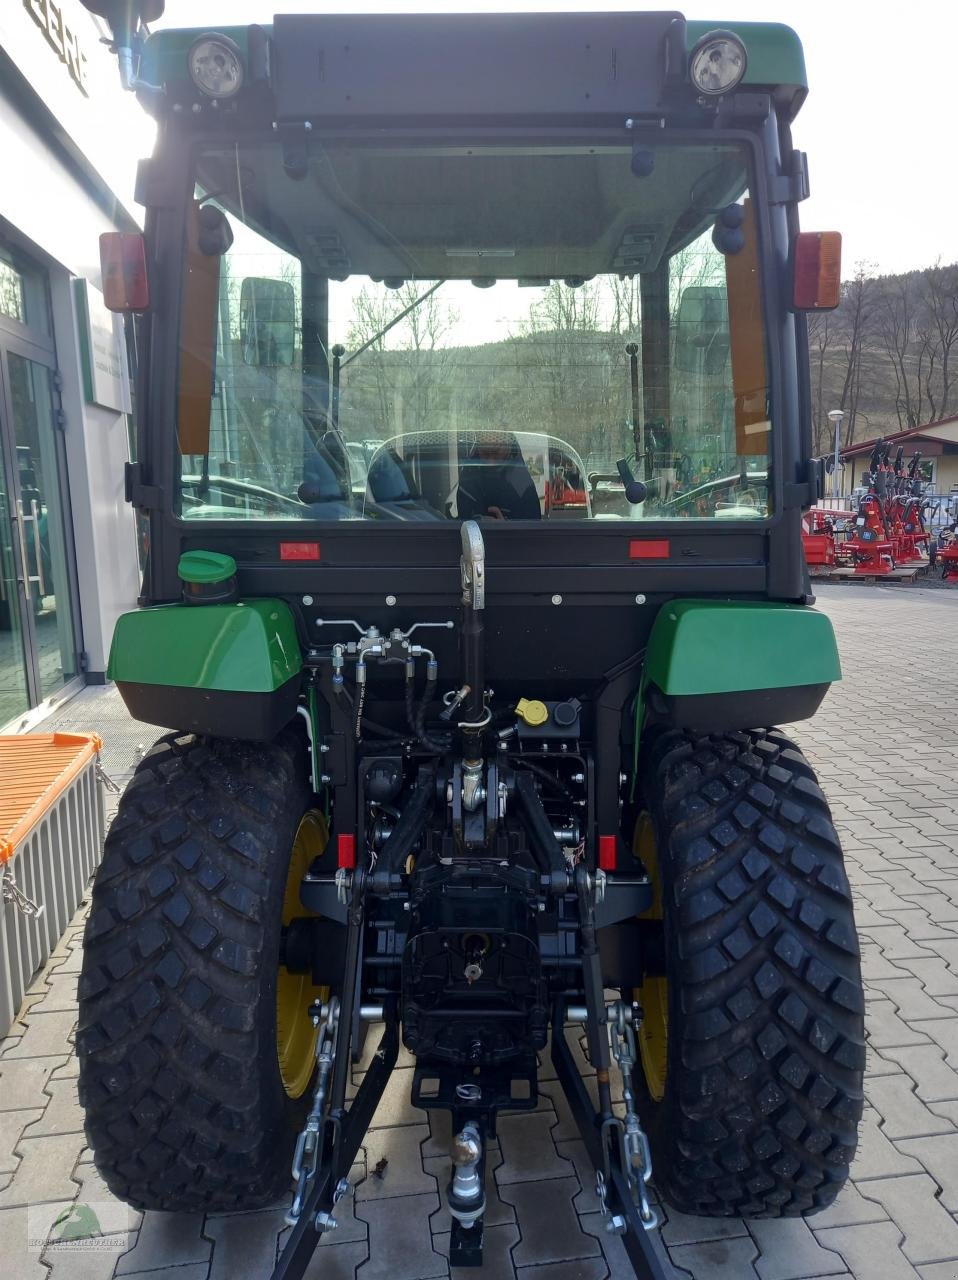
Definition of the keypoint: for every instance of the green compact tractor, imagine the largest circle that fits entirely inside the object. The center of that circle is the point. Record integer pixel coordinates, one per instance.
(473, 444)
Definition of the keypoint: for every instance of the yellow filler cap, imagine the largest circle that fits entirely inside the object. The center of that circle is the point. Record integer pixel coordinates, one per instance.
(532, 712)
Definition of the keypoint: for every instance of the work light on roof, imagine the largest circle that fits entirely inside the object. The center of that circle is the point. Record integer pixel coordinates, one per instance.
(216, 66)
(718, 62)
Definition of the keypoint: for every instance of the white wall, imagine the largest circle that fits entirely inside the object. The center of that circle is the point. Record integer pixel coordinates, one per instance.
(97, 447)
(43, 200)
(107, 124)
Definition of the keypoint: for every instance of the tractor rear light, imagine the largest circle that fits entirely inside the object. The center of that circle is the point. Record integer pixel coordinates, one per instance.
(818, 271)
(216, 65)
(649, 549)
(346, 853)
(123, 267)
(607, 853)
(717, 63)
(299, 551)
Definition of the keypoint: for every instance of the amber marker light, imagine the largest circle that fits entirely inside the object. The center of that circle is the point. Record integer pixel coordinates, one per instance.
(123, 267)
(818, 271)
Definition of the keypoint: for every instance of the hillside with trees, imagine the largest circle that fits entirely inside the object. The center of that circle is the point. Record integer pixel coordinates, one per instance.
(888, 356)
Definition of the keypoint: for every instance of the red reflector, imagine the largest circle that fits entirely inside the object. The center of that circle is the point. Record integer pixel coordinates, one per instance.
(299, 551)
(818, 271)
(123, 267)
(607, 848)
(649, 549)
(346, 852)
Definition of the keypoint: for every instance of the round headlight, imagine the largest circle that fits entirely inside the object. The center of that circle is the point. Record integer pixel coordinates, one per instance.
(718, 62)
(216, 66)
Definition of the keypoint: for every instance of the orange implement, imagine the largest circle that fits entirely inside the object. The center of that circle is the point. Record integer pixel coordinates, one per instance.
(36, 768)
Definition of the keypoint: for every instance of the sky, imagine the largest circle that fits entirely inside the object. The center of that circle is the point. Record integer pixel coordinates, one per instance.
(879, 126)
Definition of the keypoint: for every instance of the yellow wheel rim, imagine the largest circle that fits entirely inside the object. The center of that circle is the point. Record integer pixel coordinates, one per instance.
(295, 1034)
(653, 1035)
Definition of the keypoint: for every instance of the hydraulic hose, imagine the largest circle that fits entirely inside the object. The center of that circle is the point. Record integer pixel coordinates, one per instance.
(521, 763)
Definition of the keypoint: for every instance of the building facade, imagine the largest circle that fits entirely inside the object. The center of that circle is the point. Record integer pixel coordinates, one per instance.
(70, 138)
(937, 442)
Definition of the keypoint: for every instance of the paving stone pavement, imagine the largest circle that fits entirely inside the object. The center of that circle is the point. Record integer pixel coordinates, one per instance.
(885, 745)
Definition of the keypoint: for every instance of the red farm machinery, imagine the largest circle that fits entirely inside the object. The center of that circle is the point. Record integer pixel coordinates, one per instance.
(887, 529)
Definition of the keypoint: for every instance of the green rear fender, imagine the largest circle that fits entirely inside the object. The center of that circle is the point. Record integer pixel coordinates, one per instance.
(715, 665)
(233, 670)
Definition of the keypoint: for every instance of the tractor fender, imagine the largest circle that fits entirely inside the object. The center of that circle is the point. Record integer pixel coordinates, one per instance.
(717, 665)
(231, 670)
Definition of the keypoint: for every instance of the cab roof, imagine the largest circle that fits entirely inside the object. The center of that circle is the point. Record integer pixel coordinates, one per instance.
(448, 65)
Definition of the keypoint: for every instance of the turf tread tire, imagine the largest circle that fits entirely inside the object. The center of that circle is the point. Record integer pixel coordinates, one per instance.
(179, 1079)
(766, 1045)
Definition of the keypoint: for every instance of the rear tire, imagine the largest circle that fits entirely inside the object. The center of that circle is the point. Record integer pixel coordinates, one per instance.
(179, 1072)
(765, 1035)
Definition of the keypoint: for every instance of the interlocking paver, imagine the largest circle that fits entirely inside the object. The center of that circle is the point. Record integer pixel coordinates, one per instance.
(789, 1251)
(403, 1174)
(849, 1209)
(22, 1081)
(939, 1157)
(872, 1252)
(244, 1242)
(903, 1114)
(62, 1114)
(877, 1157)
(400, 1242)
(528, 1149)
(12, 1125)
(97, 1262)
(44, 1170)
(887, 1030)
(685, 1228)
(166, 1239)
(931, 1233)
(925, 1065)
(719, 1259)
(909, 997)
(338, 1262)
(46, 1035)
(19, 1255)
(944, 1032)
(548, 1222)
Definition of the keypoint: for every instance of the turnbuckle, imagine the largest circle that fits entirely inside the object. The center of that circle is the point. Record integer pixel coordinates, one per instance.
(105, 778)
(10, 891)
(635, 1151)
(306, 1154)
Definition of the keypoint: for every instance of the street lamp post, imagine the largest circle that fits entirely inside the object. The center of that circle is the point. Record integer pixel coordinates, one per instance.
(836, 415)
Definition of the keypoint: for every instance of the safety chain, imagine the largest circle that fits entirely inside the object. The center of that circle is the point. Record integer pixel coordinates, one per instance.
(638, 1155)
(10, 891)
(105, 778)
(306, 1155)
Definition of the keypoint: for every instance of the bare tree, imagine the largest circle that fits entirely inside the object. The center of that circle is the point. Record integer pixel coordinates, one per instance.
(821, 333)
(398, 380)
(856, 322)
(898, 315)
(938, 292)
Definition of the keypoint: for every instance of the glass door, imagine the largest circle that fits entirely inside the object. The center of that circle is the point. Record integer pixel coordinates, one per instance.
(38, 643)
(14, 689)
(37, 480)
